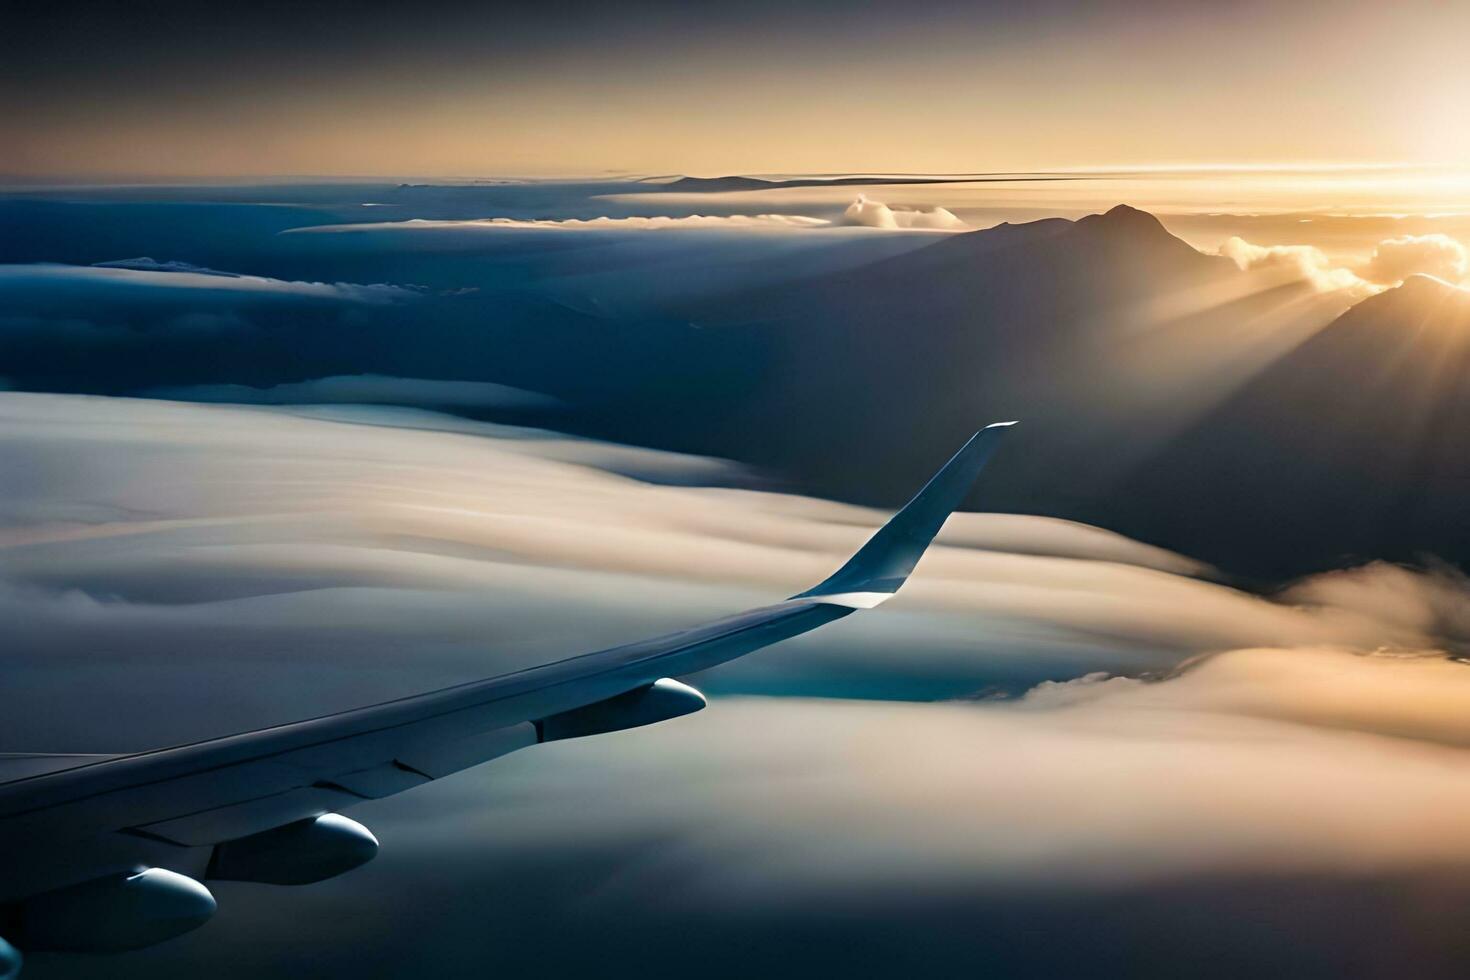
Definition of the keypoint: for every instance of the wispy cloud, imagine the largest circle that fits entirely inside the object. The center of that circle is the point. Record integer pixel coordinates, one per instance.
(140, 276)
(364, 389)
(756, 222)
(862, 213)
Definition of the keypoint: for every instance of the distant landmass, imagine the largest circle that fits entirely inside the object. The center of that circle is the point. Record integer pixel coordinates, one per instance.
(715, 185)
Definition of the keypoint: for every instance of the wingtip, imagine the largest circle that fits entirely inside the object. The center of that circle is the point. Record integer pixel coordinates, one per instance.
(884, 563)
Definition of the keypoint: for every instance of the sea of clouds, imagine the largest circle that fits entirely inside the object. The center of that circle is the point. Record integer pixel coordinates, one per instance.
(1049, 709)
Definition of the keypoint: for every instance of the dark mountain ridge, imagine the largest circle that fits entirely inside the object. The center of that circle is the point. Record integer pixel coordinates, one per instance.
(1124, 352)
(1354, 446)
(1163, 392)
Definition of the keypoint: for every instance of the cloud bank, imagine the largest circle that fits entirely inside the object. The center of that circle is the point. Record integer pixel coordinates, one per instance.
(1296, 262)
(862, 213)
(1393, 260)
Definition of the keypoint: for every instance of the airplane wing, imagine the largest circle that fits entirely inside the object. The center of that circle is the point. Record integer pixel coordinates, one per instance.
(99, 853)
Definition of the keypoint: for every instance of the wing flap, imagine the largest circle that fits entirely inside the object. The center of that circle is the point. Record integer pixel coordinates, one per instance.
(250, 817)
(441, 759)
(380, 781)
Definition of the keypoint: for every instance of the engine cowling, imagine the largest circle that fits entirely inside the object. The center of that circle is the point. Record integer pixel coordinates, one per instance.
(114, 913)
(297, 854)
(663, 699)
(10, 961)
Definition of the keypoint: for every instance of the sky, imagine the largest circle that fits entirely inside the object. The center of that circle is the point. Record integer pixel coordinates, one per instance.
(104, 91)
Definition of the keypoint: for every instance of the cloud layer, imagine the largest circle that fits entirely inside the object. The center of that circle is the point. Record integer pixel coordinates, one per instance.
(1124, 735)
(169, 527)
(1264, 791)
(768, 222)
(18, 283)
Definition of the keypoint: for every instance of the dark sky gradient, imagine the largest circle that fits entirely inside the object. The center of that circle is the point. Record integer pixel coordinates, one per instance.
(462, 89)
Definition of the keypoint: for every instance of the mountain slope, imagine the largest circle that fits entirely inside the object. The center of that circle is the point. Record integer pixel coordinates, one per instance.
(861, 377)
(1164, 393)
(1355, 445)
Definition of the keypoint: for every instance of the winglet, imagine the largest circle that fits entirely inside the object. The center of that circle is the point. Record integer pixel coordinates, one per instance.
(884, 563)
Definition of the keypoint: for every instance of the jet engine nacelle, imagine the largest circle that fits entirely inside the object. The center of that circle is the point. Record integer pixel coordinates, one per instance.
(10, 961)
(659, 701)
(296, 854)
(114, 913)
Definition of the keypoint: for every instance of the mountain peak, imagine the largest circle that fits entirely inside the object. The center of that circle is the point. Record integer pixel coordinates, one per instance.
(1125, 210)
(1419, 296)
(1128, 227)
(1432, 288)
(1124, 218)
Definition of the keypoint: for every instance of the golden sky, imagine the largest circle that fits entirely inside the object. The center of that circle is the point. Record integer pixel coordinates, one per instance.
(651, 88)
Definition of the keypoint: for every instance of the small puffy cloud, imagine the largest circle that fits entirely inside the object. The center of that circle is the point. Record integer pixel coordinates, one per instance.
(1438, 255)
(875, 214)
(1305, 262)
